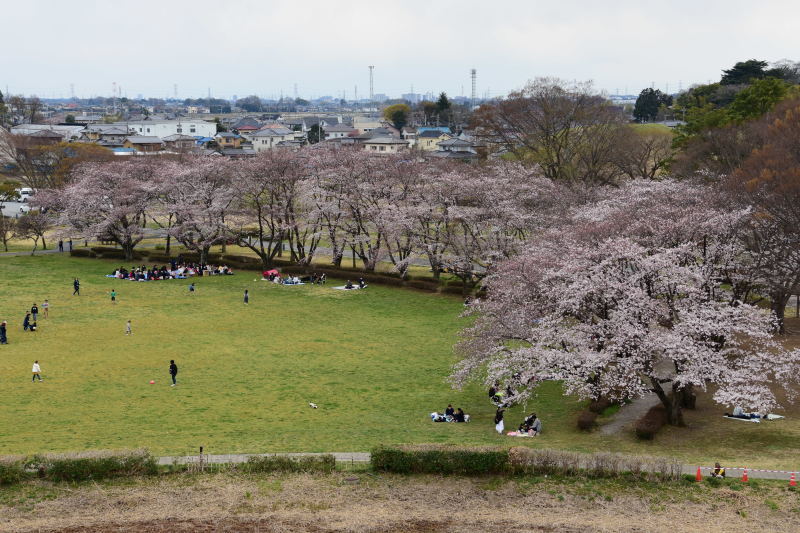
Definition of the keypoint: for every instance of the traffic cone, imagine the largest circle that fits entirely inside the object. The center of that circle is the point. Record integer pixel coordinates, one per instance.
(699, 476)
(744, 476)
(792, 481)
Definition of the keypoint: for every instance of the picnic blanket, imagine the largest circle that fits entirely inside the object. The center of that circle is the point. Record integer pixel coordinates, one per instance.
(756, 420)
(518, 434)
(439, 417)
(344, 288)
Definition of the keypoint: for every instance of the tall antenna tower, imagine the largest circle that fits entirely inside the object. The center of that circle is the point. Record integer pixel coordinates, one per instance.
(371, 86)
(474, 75)
(355, 93)
(175, 90)
(72, 90)
(114, 95)
(295, 91)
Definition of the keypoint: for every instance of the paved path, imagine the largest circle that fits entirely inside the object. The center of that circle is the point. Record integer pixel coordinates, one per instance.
(364, 457)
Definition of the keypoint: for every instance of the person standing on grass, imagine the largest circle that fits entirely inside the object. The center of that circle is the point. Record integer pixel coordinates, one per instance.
(46, 308)
(246, 297)
(3, 328)
(26, 323)
(499, 426)
(113, 296)
(173, 371)
(60, 246)
(70, 245)
(37, 372)
(128, 330)
(77, 286)
(35, 311)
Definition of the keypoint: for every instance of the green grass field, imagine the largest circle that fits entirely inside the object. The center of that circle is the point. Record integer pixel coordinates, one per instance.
(375, 361)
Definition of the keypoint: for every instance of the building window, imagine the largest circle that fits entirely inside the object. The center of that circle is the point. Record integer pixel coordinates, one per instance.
(180, 130)
(148, 130)
(191, 129)
(383, 148)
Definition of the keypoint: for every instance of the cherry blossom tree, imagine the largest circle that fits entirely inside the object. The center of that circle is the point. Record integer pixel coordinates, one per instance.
(613, 304)
(106, 201)
(200, 195)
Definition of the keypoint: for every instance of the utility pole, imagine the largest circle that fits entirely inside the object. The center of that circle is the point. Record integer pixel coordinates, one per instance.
(371, 86)
(474, 75)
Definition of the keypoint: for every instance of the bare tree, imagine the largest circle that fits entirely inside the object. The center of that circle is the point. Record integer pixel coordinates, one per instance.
(567, 129)
(33, 225)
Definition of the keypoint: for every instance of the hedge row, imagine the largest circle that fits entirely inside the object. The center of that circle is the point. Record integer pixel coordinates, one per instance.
(275, 463)
(246, 262)
(79, 467)
(440, 460)
(435, 459)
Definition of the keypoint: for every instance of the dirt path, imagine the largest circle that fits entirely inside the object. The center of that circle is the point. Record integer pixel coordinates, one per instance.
(628, 414)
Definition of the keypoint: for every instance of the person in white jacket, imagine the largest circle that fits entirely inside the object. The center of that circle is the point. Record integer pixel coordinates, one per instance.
(37, 372)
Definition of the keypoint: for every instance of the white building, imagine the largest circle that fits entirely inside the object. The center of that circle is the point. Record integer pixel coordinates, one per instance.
(267, 138)
(68, 133)
(165, 128)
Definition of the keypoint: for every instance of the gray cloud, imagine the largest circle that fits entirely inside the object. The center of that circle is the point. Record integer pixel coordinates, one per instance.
(265, 47)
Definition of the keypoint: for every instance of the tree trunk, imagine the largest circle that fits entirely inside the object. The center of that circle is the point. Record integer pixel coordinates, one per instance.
(127, 247)
(671, 402)
(778, 301)
(44, 244)
(204, 255)
(688, 397)
(166, 250)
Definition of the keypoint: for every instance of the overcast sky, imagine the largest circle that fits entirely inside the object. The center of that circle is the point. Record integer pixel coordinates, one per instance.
(265, 47)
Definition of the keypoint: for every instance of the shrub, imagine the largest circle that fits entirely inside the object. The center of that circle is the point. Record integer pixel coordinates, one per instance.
(423, 285)
(11, 471)
(587, 420)
(104, 249)
(599, 405)
(440, 460)
(276, 463)
(596, 465)
(94, 465)
(82, 252)
(651, 422)
(241, 259)
(453, 290)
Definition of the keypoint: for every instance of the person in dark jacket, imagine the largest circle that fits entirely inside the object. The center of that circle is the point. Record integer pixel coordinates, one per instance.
(3, 337)
(173, 371)
(35, 311)
(459, 416)
(246, 297)
(499, 425)
(77, 286)
(26, 324)
(449, 411)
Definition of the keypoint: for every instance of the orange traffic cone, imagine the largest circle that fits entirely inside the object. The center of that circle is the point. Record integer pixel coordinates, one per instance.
(744, 476)
(699, 476)
(792, 481)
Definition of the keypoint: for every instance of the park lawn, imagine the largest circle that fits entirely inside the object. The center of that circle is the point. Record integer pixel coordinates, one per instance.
(375, 362)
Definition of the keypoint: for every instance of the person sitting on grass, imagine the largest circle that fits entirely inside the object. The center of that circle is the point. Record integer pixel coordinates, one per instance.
(718, 471)
(26, 323)
(361, 283)
(348, 285)
(449, 411)
(531, 425)
(459, 415)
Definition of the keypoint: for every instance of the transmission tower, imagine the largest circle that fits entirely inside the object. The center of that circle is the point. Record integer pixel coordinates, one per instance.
(175, 90)
(371, 86)
(474, 75)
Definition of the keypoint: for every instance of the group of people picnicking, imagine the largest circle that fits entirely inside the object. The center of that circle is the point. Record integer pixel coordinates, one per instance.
(173, 271)
(275, 277)
(450, 415)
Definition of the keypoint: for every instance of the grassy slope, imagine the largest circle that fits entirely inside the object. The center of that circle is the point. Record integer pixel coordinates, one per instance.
(375, 361)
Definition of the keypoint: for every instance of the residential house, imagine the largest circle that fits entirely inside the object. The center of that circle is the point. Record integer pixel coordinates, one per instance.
(366, 124)
(338, 130)
(429, 139)
(456, 148)
(246, 125)
(165, 128)
(67, 133)
(110, 135)
(238, 153)
(385, 145)
(228, 140)
(180, 143)
(271, 136)
(144, 143)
